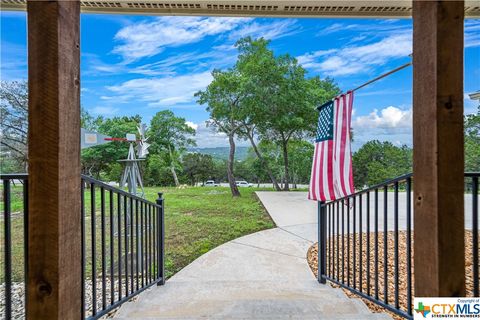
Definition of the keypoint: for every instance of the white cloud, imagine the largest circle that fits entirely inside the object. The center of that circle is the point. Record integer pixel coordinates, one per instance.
(192, 125)
(388, 124)
(219, 57)
(104, 111)
(150, 38)
(358, 58)
(364, 29)
(309, 58)
(389, 118)
(207, 137)
(472, 33)
(164, 91)
(274, 30)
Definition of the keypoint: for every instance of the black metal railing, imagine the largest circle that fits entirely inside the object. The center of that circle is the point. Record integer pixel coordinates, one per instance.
(122, 245)
(366, 242)
(15, 232)
(123, 238)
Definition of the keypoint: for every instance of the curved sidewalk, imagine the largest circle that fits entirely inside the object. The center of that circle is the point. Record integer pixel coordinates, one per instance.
(264, 275)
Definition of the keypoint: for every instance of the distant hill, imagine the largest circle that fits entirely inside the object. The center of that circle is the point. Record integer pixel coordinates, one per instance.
(222, 152)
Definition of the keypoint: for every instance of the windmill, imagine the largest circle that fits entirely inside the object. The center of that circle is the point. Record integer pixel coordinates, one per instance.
(131, 176)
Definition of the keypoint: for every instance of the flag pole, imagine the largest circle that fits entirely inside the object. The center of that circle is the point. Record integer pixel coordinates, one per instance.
(373, 80)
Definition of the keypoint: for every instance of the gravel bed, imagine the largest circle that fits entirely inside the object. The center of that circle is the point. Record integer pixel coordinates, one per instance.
(312, 256)
(18, 297)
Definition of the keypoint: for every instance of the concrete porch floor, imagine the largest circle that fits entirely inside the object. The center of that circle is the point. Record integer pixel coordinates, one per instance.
(264, 275)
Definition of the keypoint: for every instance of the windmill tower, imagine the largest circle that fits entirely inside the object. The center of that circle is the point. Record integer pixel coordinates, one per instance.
(131, 174)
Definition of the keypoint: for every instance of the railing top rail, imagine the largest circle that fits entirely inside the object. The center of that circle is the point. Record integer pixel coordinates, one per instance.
(13, 176)
(377, 186)
(114, 189)
(24, 176)
(472, 174)
(392, 182)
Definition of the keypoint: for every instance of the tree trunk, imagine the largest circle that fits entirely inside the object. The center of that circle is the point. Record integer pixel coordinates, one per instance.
(264, 164)
(175, 178)
(231, 160)
(172, 167)
(285, 163)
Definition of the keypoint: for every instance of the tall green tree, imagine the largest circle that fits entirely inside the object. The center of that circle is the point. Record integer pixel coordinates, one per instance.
(100, 160)
(14, 125)
(301, 152)
(89, 122)
(157, 171)
(172, 135)
(279, 100)
(223, 99)
(472, 141)
(378, 161)
(197, 167)
(256, 64)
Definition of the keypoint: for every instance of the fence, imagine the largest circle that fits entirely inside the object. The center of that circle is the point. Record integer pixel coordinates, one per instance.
(366, 242)
(122, 245)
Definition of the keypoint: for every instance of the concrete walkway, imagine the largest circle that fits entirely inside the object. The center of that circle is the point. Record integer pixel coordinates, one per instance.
(263, 275)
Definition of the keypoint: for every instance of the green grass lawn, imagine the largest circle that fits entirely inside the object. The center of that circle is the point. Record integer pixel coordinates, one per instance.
(200, 219)
(197, 219)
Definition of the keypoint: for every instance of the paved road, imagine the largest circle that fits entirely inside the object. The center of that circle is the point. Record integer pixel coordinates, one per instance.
(263, 275)
(306, 211)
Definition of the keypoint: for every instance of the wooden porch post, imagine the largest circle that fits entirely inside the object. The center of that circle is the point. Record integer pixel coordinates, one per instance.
(438, 161)
(54, 255)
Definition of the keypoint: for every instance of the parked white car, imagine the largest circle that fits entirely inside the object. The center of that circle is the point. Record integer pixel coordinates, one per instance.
(243, 184)
(211, 183)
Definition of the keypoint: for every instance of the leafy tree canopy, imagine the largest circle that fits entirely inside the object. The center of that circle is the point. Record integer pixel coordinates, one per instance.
(14, 124)
(377, 161)
(171, 135)
(472, 141)
(168, 131)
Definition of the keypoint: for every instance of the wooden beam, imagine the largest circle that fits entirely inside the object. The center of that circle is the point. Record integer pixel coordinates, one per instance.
(54, 255)
(438, 160)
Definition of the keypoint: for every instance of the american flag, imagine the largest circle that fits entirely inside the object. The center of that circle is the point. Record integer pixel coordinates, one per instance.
(332, 176)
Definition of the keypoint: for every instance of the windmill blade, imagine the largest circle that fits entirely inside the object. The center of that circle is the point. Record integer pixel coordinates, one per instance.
(143, 149)
(142, 129)
(91, 138)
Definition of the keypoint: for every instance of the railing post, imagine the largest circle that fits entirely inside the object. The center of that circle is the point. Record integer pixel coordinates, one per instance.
(322, 242)
(160, 240)
(8, 247)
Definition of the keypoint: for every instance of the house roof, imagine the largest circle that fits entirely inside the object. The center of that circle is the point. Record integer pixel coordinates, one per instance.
(267, 8)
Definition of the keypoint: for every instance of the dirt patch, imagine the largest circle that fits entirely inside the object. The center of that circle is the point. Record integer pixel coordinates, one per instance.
(356, 273)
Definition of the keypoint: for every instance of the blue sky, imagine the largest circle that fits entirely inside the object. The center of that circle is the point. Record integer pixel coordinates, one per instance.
(141, 65)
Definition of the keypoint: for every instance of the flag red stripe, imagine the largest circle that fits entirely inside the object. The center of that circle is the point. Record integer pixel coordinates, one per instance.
(351, 188)
(335, 141)
(330, 169)
(342, 147)
(313, 184)
(322, 177)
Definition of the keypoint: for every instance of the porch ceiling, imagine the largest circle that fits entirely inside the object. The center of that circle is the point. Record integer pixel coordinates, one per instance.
(278, 8)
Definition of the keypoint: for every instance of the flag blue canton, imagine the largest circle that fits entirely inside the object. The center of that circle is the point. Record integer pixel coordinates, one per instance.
(325, 123)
